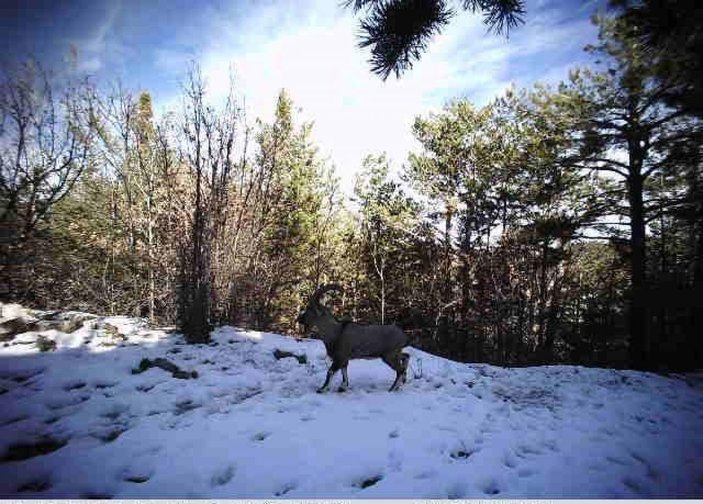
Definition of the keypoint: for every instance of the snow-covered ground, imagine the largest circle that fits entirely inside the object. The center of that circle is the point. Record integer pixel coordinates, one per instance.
(76, 422)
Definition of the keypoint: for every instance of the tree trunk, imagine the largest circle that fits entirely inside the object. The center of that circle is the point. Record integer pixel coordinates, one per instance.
(639, 344)
(383, 299)
(151, 255)
(694, 341)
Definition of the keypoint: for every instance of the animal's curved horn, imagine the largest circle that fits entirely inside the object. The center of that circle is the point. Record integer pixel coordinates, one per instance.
(315, 298)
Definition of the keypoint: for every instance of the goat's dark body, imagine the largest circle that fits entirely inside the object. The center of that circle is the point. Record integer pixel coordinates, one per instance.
(349, 340)
(345, 341)
(358, 341)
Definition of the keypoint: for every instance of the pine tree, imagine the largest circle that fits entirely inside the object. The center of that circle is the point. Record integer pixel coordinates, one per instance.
(292, 220)
(628, 131)
(388, 220)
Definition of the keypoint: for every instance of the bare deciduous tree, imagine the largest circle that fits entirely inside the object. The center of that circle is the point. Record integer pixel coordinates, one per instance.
(45, 140)
(209, 149)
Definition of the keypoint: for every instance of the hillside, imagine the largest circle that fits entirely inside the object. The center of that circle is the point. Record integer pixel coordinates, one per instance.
(79, 420)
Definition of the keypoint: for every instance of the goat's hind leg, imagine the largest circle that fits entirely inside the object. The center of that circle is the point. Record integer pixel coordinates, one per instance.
(404, 361)
(330, 373)
(345, 379)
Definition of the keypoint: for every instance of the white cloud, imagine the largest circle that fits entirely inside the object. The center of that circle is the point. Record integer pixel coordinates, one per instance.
(171, 61)
(309, 48)
(93, 48)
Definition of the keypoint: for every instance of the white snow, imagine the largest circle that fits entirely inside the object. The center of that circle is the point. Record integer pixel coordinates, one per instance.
(252, 426)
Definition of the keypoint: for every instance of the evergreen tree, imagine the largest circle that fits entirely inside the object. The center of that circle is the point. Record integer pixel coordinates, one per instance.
(387, 222)
(292, 222)
(627, 131)
(670, 32)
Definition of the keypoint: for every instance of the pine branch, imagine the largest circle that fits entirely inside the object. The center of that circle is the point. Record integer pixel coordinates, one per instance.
(500, 15)
(398, 31)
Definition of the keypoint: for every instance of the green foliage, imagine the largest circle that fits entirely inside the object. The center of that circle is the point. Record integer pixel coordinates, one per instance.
(388, 221)
(295, 223)
(596, 287)
(669, 30)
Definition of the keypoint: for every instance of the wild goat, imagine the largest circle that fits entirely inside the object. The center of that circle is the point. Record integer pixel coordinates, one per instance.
(348, 340)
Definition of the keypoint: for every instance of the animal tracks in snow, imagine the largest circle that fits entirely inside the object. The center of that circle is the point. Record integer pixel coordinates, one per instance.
(223, 476)
(285, 489)
(80, 424)
(260, 436)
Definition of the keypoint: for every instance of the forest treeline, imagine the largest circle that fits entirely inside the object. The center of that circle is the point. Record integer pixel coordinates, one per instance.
(555, 224)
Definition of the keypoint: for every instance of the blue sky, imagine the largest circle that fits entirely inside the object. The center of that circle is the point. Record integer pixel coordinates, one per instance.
(305, 46)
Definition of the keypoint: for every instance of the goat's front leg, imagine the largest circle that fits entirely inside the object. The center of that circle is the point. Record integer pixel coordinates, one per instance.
(330, 373)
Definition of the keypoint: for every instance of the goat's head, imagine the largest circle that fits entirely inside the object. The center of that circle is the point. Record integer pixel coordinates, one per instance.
(314, 310)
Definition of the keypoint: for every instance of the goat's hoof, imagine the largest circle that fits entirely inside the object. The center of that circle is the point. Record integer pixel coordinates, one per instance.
(341, 389)
(320, 390)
